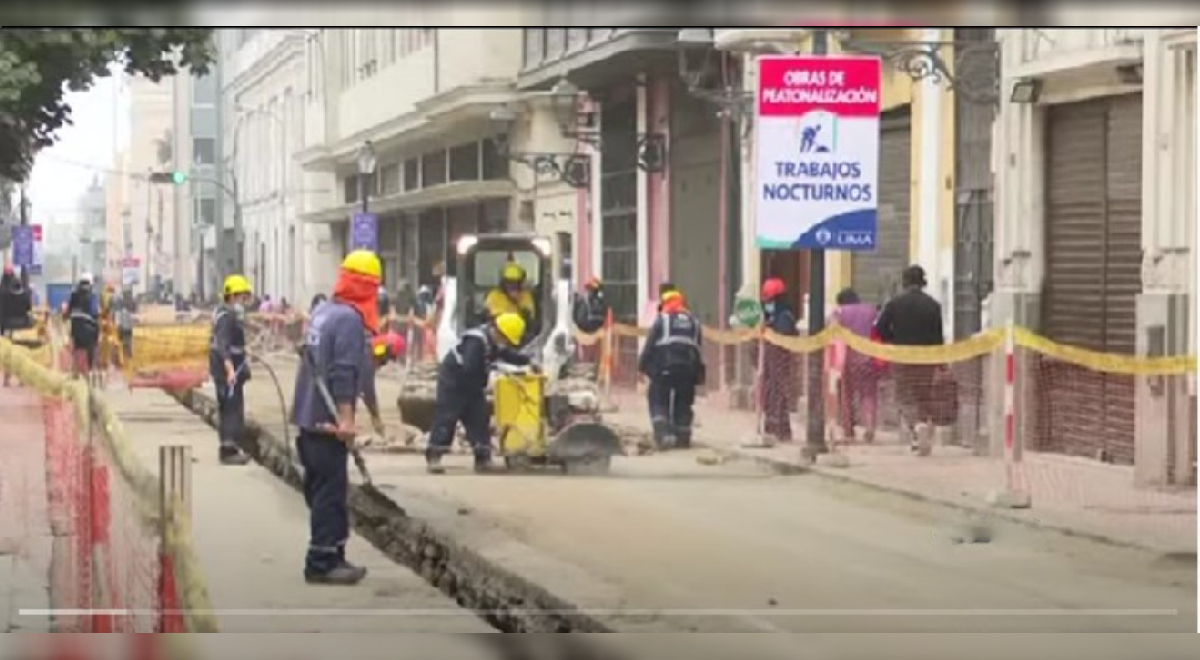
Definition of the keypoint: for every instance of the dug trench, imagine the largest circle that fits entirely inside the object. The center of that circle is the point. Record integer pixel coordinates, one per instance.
(506, 601)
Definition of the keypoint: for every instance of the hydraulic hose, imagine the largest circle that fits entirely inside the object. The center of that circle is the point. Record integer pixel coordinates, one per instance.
(286, 440)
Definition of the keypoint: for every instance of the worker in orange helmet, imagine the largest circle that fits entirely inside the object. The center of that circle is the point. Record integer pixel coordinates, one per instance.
(778, 362)
(672, 361)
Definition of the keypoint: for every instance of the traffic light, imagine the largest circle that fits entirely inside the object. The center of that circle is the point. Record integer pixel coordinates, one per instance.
(176, 178)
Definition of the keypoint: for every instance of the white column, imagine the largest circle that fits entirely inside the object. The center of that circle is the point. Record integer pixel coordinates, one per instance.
(929, 187)
(750, 261)
(643, 208)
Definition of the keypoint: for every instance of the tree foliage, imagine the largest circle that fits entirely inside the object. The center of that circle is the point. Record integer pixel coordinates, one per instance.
(38, 66)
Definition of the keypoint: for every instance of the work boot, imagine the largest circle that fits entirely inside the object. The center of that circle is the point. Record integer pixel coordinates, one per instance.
(483, 464)
(344, 574)
(433, 463)
(233, 456)
(667, 441)
(683, 440)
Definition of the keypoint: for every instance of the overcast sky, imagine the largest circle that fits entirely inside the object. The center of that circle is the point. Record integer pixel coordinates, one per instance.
(84, 150)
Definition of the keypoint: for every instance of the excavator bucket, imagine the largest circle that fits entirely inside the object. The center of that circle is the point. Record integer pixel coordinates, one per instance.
(585, 447)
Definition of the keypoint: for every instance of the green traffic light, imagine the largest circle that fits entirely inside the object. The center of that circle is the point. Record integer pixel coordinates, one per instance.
(179, 178)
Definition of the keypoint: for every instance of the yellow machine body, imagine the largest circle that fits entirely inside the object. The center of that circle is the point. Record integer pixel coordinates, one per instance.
(518, 407)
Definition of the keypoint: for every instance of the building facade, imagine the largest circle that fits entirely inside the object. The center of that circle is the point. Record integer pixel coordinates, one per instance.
(423, 99)
(93, 237)
(194, 152)
(1095, 235)
(152, 206)
(262, 93)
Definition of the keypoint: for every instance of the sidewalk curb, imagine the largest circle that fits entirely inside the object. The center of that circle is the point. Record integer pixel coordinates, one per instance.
(512, 603)
(966, 505)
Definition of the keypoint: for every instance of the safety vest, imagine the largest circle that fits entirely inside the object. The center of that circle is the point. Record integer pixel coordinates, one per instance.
(473, 332)
(596, 308)
(237, 342)
(679, 329)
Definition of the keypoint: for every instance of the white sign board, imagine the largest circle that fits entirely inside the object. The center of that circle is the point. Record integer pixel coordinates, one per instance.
(817, 128)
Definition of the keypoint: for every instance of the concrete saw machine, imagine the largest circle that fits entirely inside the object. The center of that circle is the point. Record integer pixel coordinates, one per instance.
(550, 418)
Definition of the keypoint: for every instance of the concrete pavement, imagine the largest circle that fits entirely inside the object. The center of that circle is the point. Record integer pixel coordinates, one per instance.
(26, 539)
(665, 544)
(250, 533)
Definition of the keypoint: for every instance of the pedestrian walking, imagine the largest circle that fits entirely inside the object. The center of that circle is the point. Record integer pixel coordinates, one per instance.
(672, 361)
(779, 363)
(336, 370)
(913, 318)
(858, 401)
(83, 314)
(230, 369)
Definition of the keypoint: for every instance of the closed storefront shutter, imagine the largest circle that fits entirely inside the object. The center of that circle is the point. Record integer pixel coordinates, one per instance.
(1093, 271)
(875, 275)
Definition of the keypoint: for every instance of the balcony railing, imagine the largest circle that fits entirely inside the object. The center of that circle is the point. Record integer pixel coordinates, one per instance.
(1041, 43)
(545, 45)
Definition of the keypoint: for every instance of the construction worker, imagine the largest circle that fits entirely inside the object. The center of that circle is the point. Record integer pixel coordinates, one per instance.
(387, 348)
(672, 361)
(229, 368)
(462, 387)
(591, 307)
(83, 313)
(511, 295)
(335, 371)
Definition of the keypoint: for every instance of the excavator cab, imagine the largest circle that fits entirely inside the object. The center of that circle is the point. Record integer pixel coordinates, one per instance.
(480, 264)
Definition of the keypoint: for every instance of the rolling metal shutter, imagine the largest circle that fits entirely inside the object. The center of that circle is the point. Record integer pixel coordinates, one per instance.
(876, 275)
(1093, 271)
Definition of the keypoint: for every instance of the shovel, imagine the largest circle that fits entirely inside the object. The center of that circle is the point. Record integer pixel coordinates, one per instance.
(368, 485)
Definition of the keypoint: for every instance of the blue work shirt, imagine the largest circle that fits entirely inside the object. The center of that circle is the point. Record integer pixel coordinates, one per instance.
(336, 343)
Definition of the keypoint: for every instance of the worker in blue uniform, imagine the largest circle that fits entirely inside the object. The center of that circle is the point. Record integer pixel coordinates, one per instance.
(672, 361)
(462, 387)
(337, 369)
(229, 369)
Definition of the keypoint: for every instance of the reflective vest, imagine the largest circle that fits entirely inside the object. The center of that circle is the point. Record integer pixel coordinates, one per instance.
(473, 332)
(237, 343)
(679, 329)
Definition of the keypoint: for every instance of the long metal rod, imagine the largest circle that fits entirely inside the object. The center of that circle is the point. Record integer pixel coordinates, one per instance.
(815, 444)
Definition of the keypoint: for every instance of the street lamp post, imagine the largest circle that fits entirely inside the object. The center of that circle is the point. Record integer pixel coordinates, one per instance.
(366, 167)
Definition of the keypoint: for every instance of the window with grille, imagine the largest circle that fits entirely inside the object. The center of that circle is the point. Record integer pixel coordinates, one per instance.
(535, 46)
(495, 166)
(412, 174)
(204, 150)
(389, 179)
(464, 162)
(433, 169)
(556, 42)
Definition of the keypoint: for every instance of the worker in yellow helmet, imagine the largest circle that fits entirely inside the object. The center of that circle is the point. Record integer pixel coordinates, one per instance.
(462, 387)
(511, 296)
(229, 369)
(337, 368)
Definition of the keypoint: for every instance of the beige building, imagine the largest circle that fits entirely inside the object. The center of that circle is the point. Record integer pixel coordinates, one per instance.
(152, 206)
(118, 217)
(1095, 232)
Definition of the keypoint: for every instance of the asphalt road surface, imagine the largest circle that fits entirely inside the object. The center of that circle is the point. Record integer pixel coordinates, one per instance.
(666, 544)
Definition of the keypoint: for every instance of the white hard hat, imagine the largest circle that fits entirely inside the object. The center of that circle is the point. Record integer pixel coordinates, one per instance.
(86, 278)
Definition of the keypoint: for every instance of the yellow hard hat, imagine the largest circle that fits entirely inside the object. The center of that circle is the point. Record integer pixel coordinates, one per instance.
(235, 284)
(671, 294)
(512, 326)
(363, 262)
(513, 273)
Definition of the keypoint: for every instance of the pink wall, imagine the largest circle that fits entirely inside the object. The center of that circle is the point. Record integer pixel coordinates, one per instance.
(658, 186)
